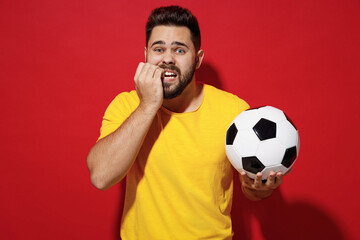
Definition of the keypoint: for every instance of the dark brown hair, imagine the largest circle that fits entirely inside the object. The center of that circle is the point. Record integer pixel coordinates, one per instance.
(174, 16)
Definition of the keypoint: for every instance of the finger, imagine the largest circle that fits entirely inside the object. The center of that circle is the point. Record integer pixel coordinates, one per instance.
(242, 176)
(144, 71)
(271, 179)
(257, 181)
(244, 179)
(158, 73)
(138, 70)
(279, 178)
(150, 72)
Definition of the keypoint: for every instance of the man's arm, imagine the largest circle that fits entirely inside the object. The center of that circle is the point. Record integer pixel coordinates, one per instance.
(257, 190)
(110, 158)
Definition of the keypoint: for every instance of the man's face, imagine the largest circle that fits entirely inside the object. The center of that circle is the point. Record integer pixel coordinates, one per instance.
(171, 48)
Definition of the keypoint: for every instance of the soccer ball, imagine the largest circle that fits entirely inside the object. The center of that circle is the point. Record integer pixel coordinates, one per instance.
(261, 140)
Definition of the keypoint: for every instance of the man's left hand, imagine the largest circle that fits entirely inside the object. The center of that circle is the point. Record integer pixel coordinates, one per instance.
(256, 189)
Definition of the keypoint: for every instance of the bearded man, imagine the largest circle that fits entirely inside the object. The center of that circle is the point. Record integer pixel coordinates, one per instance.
(167, 139)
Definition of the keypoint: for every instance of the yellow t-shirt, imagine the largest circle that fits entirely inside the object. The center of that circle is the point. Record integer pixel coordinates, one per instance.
(181, 184)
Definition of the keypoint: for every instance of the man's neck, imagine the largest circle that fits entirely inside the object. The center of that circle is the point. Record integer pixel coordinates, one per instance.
(189, 100)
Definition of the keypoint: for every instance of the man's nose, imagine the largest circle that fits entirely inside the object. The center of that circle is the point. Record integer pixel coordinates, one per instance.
(168, 58)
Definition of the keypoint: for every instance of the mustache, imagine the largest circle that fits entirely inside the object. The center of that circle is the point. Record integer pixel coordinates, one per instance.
(171, 67)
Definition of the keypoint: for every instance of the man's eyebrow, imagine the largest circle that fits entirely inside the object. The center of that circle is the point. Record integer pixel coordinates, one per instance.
(180, 44)
(158, 42)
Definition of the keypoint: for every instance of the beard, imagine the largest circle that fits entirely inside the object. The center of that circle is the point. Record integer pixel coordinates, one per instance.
(172, 90)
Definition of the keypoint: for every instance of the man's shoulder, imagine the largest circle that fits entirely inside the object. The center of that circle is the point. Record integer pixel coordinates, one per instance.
(124, 102)
(127, 98)
(128, 95)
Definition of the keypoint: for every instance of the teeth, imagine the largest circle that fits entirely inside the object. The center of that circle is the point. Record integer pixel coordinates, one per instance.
(169, 74)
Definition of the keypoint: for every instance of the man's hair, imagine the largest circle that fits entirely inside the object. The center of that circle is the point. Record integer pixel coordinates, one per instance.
(174, 16)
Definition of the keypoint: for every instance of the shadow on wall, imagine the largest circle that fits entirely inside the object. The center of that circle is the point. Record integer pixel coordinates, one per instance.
(207, 74)
(276, 218)
(280, 220)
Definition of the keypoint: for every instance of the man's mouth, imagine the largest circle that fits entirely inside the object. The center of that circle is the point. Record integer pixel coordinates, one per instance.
(169, 75)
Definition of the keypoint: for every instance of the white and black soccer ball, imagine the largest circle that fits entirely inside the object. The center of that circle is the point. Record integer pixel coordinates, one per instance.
(261, 140)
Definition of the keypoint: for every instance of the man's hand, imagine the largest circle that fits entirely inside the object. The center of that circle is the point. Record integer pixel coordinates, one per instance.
(149, 86)
(256, 189)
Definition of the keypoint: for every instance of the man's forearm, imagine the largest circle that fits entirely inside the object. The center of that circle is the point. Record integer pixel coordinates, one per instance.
(111, 157)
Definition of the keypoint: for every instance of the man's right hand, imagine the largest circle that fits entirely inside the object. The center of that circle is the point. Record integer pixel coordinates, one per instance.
(110, 159)
(149, 86)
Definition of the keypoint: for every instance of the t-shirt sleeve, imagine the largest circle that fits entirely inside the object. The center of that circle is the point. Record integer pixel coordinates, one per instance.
(243, 105)
(117, 112)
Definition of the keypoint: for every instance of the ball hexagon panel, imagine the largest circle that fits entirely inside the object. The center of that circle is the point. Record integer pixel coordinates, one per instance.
(271, 113)
(247, 119)
(270, 152)
(287, 134)
(234, 157)
(246, 143)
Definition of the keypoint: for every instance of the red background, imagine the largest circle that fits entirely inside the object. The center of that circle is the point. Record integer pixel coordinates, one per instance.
(62, 62)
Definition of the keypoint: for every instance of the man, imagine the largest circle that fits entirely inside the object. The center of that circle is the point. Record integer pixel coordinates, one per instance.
(167, 138)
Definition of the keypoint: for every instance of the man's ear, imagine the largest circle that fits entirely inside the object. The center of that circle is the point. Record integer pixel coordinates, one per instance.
(199, 58)
(145, 54)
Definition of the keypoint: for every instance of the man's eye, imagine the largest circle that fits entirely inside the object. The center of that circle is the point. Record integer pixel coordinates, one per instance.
(157, 50)
(180, 51)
